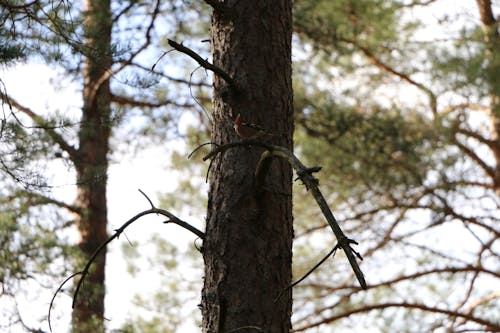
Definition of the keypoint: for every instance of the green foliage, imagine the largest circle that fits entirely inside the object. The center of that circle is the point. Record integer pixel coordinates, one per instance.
(381, 147)
(32, 249)
(10, 49)
(11, 52)
(335, 26)
(461, 66)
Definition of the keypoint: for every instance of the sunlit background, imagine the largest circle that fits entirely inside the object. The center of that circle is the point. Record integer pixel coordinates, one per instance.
(420, 205)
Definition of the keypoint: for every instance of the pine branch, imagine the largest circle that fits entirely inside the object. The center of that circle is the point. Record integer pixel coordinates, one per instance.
(126, 100)
(452, 270)
(40, 199)
(123, 11)
(469, 152)
(391, 70)
(403, 76)
(10, 6)
(493, 145)
(418, 3)
(124, 63)
(42, 124)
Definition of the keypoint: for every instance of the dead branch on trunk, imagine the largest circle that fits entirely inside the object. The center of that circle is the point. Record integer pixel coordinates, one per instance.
(204, 63)
(218, 6)
(305, 175)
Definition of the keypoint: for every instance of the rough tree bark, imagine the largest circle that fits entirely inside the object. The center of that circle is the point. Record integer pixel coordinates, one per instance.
(92, 163)
(247, 249)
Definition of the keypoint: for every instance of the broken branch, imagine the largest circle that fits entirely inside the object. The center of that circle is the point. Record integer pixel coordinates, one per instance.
(311, 183)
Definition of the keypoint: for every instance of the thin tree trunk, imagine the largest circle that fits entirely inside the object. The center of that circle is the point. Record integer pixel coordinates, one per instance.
(492, 46)
(92, 163)
(247, 250)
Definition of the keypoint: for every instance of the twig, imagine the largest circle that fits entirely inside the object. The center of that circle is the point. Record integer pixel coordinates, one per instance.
(209, 117)
(147, 198)
(172, 218)
(55, 294)
(332, 252)
(40, 123)
(222, 148)
(204, 159)
(201, 146)
(204, 63)
(158, 60)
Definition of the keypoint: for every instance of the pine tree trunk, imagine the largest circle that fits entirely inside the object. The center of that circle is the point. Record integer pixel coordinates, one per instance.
(491, 39)
(247, 250)
(92, 164)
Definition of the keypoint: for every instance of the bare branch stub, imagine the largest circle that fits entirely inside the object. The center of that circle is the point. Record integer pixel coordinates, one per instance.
(218, 6)
(204, 63)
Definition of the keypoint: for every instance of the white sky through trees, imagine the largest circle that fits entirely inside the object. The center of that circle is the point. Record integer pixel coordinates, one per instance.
(38, 87)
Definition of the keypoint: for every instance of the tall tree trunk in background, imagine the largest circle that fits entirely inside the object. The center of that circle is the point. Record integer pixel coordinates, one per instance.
(247, 250)
(492, 46)
(92, 163)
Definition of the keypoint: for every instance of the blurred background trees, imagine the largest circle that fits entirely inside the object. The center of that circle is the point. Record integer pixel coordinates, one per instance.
(402, 113)
(91, 45)
(398, 101)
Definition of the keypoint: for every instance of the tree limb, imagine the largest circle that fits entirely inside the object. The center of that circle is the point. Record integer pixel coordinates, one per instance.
(493, 145)
(42, 124)
(204, 63)
(40, 199)
(452, 270)
(126, 100)
(403, 76)
(305, 174)
(332, 252)
(469, 152)
(380, 306)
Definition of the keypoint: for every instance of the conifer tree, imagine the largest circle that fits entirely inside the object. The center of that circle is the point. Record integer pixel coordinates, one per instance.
(247, 248)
